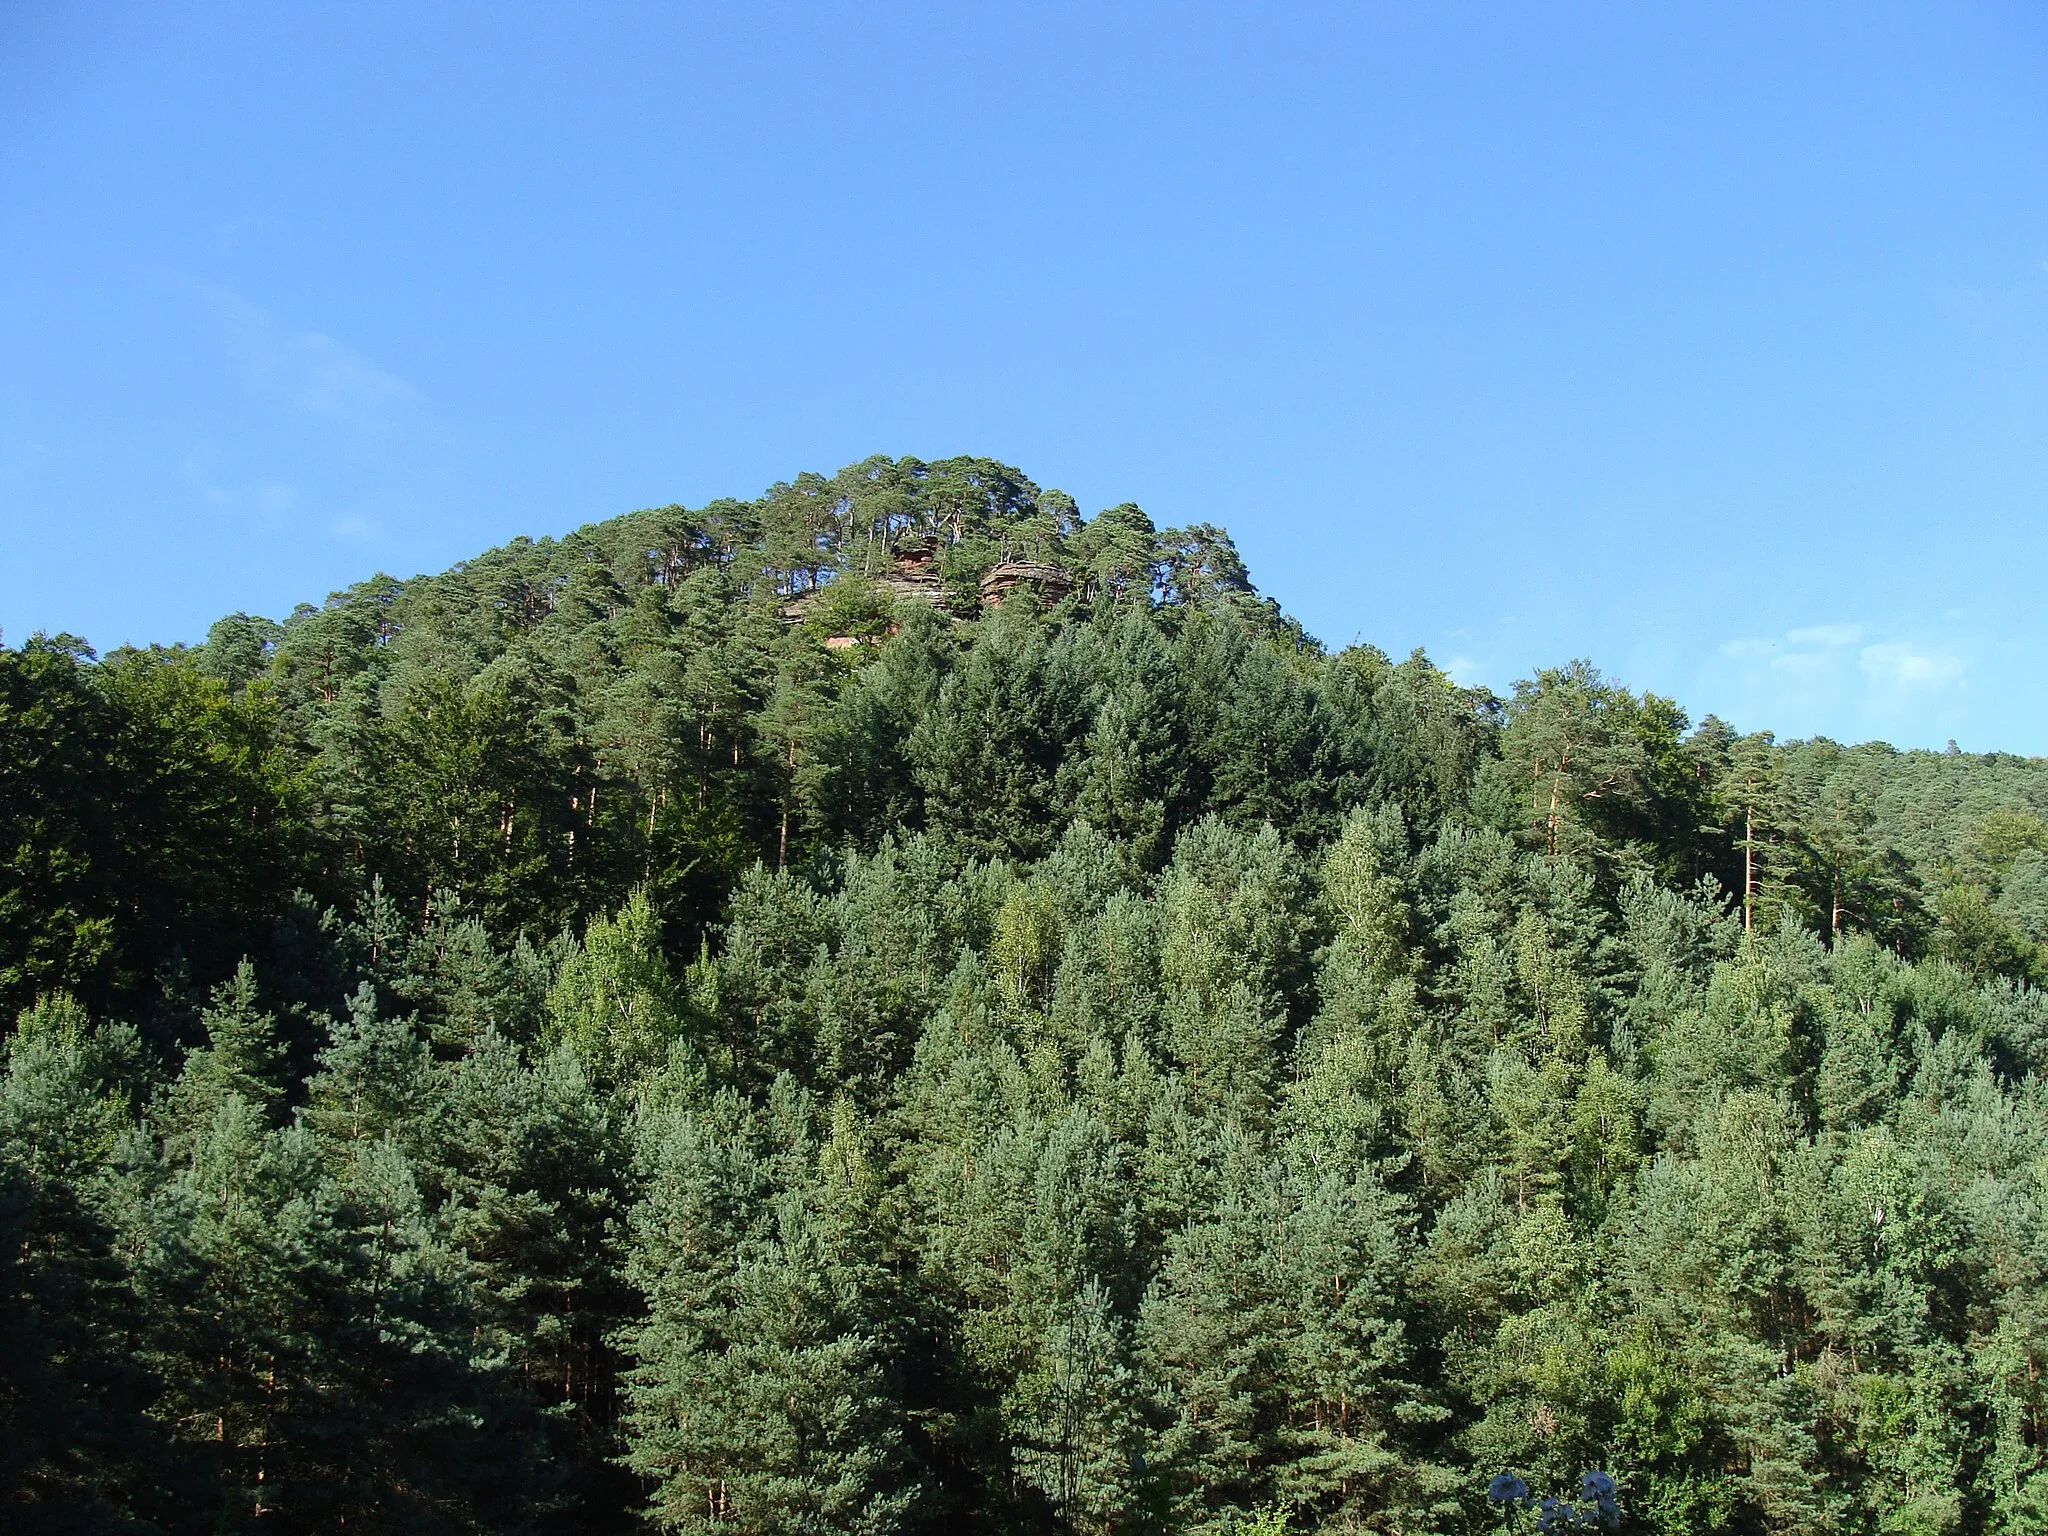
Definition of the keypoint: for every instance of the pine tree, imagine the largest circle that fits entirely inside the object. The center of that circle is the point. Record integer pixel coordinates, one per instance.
(1091, 1062)
(987, 754)
(1079, 1425)
(762, 1397)
(614, 1002)
(1212, 1338)
(377, 1078)
(1350, 1409)
(242, 1058)
(79, 1450)
(538, 1192)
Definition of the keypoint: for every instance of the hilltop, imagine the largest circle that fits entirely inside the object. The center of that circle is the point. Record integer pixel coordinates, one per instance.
(894, 1006)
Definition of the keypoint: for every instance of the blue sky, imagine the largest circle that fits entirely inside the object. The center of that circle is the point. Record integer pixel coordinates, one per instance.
(1708, 342)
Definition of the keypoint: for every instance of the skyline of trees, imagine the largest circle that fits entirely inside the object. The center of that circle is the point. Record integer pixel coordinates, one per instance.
(554, 1045)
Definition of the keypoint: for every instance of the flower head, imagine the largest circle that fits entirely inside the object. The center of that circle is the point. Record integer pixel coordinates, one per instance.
(1506, 1488)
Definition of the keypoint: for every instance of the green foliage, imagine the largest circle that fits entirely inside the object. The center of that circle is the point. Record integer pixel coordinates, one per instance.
(145, 810)
(558, 1046)
(614, 1001)
(762, 1400)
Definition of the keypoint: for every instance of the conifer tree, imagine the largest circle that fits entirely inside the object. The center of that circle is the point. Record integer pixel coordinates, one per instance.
(242, 1057)
(79, 1449)
(762, 1396)
(615, 1002)
(1089, 1060)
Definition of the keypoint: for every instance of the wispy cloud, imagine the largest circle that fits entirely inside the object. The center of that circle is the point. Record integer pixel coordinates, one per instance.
(1901, 664)
(322, 440)
(1855, 679)
(309, 369)
(271, 500)
(1807, 651)
(1827, 635)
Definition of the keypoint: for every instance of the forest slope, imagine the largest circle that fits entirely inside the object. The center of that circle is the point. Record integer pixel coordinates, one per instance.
(891, 1007)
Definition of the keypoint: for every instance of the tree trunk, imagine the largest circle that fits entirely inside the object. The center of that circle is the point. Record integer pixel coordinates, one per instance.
(1748, 866)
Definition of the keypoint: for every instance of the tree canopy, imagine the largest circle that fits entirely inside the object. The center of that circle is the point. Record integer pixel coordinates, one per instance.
(894, 1007)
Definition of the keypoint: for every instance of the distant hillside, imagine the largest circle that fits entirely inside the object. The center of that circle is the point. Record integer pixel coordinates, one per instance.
(893, 1007)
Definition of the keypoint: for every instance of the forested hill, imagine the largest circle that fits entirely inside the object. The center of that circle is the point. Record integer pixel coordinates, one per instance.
(890, 1007)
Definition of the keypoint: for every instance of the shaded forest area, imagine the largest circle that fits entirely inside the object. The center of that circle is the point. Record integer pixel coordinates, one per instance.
(890, 1007)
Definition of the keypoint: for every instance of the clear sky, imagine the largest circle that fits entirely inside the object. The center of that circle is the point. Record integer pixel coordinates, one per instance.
(1709, 342)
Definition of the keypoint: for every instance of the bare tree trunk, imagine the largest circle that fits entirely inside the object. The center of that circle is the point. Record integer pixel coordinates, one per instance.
(1748, 866)
(1564, 761)
(782, 839)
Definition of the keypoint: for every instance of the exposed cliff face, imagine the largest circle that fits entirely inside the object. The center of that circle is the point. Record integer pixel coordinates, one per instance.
(913, 575)
(1050, 582)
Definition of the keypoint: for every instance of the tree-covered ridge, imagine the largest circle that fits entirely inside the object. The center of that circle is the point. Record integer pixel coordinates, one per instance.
(892, 1007)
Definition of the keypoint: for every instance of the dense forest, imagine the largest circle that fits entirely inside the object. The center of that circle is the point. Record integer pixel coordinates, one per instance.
(891, 1007)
